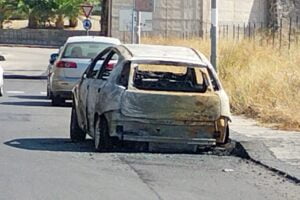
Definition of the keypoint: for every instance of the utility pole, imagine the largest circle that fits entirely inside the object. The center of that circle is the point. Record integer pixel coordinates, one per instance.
(214, 34)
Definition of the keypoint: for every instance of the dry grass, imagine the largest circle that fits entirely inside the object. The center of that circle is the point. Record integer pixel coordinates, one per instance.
(262, 82)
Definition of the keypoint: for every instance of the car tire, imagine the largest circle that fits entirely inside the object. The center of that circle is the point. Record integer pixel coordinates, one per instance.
(76, 133)
(103, 142)
(49, 93)
(1, 91)
(57, 101)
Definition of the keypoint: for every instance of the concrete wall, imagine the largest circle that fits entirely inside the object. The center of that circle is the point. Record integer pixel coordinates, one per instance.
(238, 11)
(46, 37)
(171, 17)
(191, 17)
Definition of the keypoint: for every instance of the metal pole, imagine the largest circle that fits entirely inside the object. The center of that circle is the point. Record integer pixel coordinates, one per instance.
(132, 27)
(214, 33)
(138, 28)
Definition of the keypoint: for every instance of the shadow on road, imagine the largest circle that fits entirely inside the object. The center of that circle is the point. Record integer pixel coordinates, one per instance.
(30, 97)
(34, 104)
(51, 144)
(65, 145)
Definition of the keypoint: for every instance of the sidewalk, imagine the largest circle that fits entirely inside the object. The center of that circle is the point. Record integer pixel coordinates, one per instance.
(276, 149)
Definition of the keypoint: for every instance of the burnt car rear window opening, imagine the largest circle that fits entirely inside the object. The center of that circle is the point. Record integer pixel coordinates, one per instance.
(170, 78)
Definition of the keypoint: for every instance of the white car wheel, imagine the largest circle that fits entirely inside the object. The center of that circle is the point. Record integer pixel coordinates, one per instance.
(1, 91)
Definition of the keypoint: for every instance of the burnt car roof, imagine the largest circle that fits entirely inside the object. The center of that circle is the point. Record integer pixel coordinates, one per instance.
(143, 52)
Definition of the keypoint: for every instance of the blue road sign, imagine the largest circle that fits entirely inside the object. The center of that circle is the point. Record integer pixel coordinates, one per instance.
(87, 24)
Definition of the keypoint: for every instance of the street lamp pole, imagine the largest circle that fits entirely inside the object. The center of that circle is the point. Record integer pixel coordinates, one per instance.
(214, 33)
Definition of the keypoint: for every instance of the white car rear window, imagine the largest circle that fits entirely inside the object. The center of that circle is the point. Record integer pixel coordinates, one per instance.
(84, 49)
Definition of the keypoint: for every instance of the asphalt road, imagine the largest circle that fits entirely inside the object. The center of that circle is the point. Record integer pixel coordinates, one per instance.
(38, 161)
(25, 61)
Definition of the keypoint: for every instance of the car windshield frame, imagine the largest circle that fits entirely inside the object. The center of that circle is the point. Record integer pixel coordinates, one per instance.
(105, 45)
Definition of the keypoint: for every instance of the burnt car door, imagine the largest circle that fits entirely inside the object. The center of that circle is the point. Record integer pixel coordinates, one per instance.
(95, 86)
(84, 86)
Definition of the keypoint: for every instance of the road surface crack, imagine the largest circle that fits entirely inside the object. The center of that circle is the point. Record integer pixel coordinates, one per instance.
(141, 177)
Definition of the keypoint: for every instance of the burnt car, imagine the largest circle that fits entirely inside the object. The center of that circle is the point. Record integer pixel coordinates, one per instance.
(152, 94)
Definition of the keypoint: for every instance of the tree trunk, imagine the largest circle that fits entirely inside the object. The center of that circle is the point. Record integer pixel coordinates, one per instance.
(60, 22)
(1, 24)
(32, 21)
(73, 22)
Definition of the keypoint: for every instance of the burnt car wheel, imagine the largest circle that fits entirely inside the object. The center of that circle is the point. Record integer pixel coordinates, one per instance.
(103, 141)
(76, 133)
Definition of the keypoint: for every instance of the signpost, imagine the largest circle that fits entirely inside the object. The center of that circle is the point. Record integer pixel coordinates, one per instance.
(144, 5)
(87, 10)
(141, 6)
(87, 25)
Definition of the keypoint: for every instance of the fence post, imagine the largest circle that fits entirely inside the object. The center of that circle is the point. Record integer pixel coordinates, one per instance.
(254, 31)
(233, 30)
(238, 33)
(290, 32)
(280, 37)
(273, 34)
(297, 29)
(245, 30)
(261, 33)
(227, 31)
(249, 33)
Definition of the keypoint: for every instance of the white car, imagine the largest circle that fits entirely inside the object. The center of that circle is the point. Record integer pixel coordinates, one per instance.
(1, 81)
(67, 66)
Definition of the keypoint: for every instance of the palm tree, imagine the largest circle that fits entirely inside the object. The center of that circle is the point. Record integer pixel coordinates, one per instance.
(38, 11)
(6, 10)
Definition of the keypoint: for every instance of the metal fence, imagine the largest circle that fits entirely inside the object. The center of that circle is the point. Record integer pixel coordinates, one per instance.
(284, 34)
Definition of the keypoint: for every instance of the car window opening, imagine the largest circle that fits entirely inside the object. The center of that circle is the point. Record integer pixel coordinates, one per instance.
(85, 50)
(170, 78)
(124, 76)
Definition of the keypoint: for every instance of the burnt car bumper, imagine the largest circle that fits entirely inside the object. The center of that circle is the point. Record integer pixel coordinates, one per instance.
(175, 140)
(163, 131)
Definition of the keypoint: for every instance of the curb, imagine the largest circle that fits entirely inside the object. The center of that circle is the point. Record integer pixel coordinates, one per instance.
(42, 77)
(258, 152)
(30, 46)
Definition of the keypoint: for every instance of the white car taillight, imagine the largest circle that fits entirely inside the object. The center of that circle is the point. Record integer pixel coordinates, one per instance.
(64, 64)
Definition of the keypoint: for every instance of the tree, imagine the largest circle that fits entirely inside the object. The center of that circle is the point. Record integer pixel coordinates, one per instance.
(38, 11)
(41, 11)
(6, 10)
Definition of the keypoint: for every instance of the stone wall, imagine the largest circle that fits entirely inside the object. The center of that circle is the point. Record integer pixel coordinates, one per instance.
(45, 37)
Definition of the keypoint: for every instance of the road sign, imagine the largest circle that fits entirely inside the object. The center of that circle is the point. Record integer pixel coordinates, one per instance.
(144, 5)
(87, 9)
(87, 24)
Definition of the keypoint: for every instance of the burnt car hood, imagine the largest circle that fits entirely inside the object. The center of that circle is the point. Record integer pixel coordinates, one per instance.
(162, 105)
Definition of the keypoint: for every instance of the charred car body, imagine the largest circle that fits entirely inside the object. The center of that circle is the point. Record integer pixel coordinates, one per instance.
(149, 93)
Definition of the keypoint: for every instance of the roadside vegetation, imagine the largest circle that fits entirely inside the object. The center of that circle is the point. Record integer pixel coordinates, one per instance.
(263, 83)
(42, 13)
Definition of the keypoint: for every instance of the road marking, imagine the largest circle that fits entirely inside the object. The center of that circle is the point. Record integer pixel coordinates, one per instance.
(15, 92)
(43, 93)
